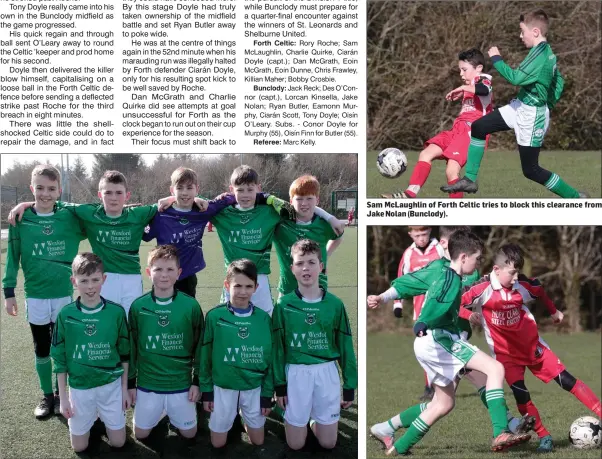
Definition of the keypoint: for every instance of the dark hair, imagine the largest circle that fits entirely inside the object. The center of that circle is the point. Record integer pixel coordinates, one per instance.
(114, 177)
(464, 242)
(244, 175)
(163, 252)
(537, 18)
(242, 266)
(510, 254)
(446, 231)
(86, 264)
(473, 56)
(305, 246)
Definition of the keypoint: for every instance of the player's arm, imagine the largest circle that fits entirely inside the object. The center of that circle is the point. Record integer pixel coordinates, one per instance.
(398, 303)
(11, 270)
(278, 351)
(205, 362)
(525, 74)
(473, 299)
(332, 245)
(556, 89)
(337, 225)
(536, 290)
(347, 361)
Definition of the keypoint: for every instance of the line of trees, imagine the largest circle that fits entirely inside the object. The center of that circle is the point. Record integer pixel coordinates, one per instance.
(567, 260)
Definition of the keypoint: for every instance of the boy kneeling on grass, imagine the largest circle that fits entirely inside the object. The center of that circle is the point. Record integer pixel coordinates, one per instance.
(91, 345)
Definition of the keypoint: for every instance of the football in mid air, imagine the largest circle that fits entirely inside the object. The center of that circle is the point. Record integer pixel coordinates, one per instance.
(585, 433)
(391, 162)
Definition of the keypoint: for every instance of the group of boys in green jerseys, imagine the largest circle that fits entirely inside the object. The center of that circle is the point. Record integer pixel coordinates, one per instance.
(442, 281)
(541, 85)
(115, 233)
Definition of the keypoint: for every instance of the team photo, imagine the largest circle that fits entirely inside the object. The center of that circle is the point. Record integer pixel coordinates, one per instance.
(491, 100)
(482, 304)
(163, 325)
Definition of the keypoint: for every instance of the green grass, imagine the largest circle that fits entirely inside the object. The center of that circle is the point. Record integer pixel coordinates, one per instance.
(22, 436)
(500, 175)
(395, 381)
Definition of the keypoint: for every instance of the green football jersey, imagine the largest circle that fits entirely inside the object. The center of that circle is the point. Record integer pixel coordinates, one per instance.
(116, 240)
(46, 247)
(90, 344)
(165, 342)
(442, 303)
(289, 232)
(247, 234)
(236, 352)
(540, 81)
(309, 333)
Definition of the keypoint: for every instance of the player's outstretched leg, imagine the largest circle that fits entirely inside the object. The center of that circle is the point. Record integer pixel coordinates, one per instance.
(490, 123)
(385, 431)
(580, 390)
(420, 173)
(527, 407)
(452, 172)
(41, 345)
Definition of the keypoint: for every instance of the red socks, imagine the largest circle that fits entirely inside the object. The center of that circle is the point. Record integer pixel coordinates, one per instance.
(586, 396)
(531, 410)
(418, 179)
(457, 194)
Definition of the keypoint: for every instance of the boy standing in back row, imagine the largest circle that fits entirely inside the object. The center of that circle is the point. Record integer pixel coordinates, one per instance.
(541, 86)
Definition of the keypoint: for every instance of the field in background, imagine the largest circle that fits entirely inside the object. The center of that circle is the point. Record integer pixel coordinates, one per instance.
(395, 381)
(500, 175)
(22, 436)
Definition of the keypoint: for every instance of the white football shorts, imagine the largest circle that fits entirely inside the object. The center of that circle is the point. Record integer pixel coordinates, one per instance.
(122, 289)
(227, 402)
(44, 311)
(150, 408)
(530, 123)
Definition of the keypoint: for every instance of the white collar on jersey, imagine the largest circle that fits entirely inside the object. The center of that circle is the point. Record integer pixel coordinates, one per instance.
(495, 282)
(428, 248)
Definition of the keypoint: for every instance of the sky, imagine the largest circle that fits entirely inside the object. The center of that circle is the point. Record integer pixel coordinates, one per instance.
(7, 160)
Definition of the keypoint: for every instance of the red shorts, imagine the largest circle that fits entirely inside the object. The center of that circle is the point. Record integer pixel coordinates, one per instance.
(454, 142)
(545, 368)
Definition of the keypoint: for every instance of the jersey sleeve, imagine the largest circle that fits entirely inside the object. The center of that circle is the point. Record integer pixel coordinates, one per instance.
(482, 85)
(413, 284)
(278, 353)
(198, 327)
(123, 340)
(220, 203)
(535, 289)
(13, 256)
(151, 230)
(57, 350)
(526, 73)
(205, 364)
(144, 214)
(555, 90)
(347, 360)
(132, 368)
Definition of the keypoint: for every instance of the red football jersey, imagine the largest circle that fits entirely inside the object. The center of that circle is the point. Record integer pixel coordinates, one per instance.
(413, 259)
(473, 106)
(510, 328)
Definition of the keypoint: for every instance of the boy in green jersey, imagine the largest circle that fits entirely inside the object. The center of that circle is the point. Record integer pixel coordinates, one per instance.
(418, 283)
(304, 193)
(236, 359)
(541, 86)
(311, 333)
(45, 242)
(166, 327)
(91, 346)
(444, 354)
(246, 230)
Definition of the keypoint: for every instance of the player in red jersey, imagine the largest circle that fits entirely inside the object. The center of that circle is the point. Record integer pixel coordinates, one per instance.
(452, 145)
(424, 250)
(499, 302)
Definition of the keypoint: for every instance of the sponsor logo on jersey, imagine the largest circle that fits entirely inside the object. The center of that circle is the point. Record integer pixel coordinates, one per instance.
(90, 329)
(163, 320)
(298, 339)
(310, 318)
(231, 354)
(47, 230)
(243, 332)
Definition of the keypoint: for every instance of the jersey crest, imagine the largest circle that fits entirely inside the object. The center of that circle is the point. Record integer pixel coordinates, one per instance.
(244, 219)
(163, 320)
(243, 332)
(310, 318)
(183, 221)
(47, 230)
(90, 329)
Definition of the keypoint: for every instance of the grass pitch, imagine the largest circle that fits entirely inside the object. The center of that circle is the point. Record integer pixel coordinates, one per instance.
(395, 381)
(22, 436)
(500, 175)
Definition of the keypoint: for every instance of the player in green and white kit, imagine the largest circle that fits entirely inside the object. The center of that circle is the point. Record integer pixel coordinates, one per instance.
(418, 283)
(45, 242)
(443, 354)
(541, 86)
(91, 346)
(304, 193)
(236, 359)
(246, 231)
(166, 327)
(115, 233)
(311, 333)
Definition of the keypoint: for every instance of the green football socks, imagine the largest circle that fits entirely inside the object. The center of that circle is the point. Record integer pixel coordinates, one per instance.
(476, 150)
(44, 370)
(558, 186)
(407, 417)
(413, 435)
(496, 404)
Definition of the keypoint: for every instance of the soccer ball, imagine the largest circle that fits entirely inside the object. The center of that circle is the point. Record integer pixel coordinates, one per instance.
(391, 162)
(585, 433)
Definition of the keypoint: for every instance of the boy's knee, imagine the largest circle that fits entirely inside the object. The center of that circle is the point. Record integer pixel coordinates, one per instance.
(521, 393)
(295, 443)
(141, 434)
(118, 443)
(536, 173)
(79, 446)
(328, 443)
(189, 433)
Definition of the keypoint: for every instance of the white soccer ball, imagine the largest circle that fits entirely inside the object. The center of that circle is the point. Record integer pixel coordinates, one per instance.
(391, 162)
(585, 433)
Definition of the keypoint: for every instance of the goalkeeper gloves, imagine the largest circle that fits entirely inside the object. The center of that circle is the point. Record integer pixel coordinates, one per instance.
(284, 209)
